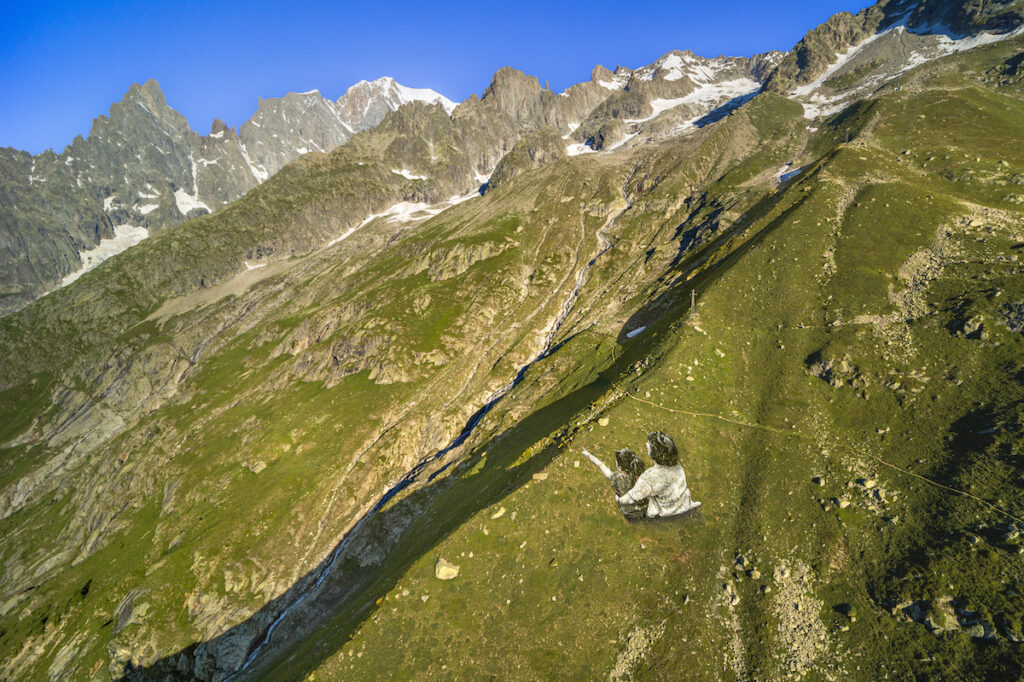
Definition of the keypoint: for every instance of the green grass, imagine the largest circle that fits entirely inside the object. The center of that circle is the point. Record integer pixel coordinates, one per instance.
(749, 365)
(312, 401)
(851, 77)
(884, 225)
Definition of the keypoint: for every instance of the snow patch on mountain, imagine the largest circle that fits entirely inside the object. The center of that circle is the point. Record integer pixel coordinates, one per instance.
(407, 94)
(949, 42)
(618, 82)
(258, 172)
(674, 66)
(707, 96)
(125, 236)
(408, 211)
(578, 148)
(408, 174)
(659, 106)
(933, 42)
(405, 211)
(187, 202)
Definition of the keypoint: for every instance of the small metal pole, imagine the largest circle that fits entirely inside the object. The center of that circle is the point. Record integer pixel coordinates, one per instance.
(693, 302)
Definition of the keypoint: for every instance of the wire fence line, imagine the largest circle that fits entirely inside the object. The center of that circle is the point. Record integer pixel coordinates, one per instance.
(797, 434)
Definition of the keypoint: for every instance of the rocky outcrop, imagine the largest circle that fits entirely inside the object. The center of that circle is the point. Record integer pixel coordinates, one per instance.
(445, 570)
(1013, 316)
(533, 151)
(820, 47)
(608, 134)
(532, 107)
(681, 82)
(965, 18)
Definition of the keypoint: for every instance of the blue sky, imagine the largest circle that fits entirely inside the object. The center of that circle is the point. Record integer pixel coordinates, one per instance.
(62, 64)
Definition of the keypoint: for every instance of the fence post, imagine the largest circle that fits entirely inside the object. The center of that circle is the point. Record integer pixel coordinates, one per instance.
(693, 303)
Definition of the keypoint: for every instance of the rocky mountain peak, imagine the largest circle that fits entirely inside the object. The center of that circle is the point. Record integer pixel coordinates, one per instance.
(219, 127)
(850, 54)
(147, 97)
(514, 93)
(301, 98)
(366, 103)
(761, 65)
(148, 92)
(600, 73)
(506, 79)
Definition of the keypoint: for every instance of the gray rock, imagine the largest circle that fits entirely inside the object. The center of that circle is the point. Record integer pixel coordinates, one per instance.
(608, 134)
(981, 630)
(142, 165)
(813, 55)
(443, 570)
(534, 150)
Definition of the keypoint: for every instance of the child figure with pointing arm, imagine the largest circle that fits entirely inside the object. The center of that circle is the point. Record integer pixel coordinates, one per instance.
(663, 486)
(629, 468)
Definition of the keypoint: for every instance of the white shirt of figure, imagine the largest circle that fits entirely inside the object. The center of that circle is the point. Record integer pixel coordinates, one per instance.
(664, 488)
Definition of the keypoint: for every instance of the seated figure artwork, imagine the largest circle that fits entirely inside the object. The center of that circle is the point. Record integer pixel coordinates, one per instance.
(657, 491)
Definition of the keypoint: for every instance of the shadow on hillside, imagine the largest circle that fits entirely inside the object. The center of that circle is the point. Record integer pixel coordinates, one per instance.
(330, 602)
(688, 271)
(724, 110)
(326, 606)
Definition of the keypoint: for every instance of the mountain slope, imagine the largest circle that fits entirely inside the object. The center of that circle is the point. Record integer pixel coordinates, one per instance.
(242, 445)
(823, 376)
(143, 168)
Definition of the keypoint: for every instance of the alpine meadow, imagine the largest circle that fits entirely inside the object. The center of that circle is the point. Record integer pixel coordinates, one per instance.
(308, 400)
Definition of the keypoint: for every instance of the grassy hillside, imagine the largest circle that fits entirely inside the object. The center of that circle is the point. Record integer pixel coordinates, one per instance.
(834, 380)
(847, 396)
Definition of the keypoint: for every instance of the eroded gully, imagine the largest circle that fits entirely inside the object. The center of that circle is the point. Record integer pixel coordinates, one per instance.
(411, 476)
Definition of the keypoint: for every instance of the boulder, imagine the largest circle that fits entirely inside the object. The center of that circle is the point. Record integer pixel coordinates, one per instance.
(444, 570)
